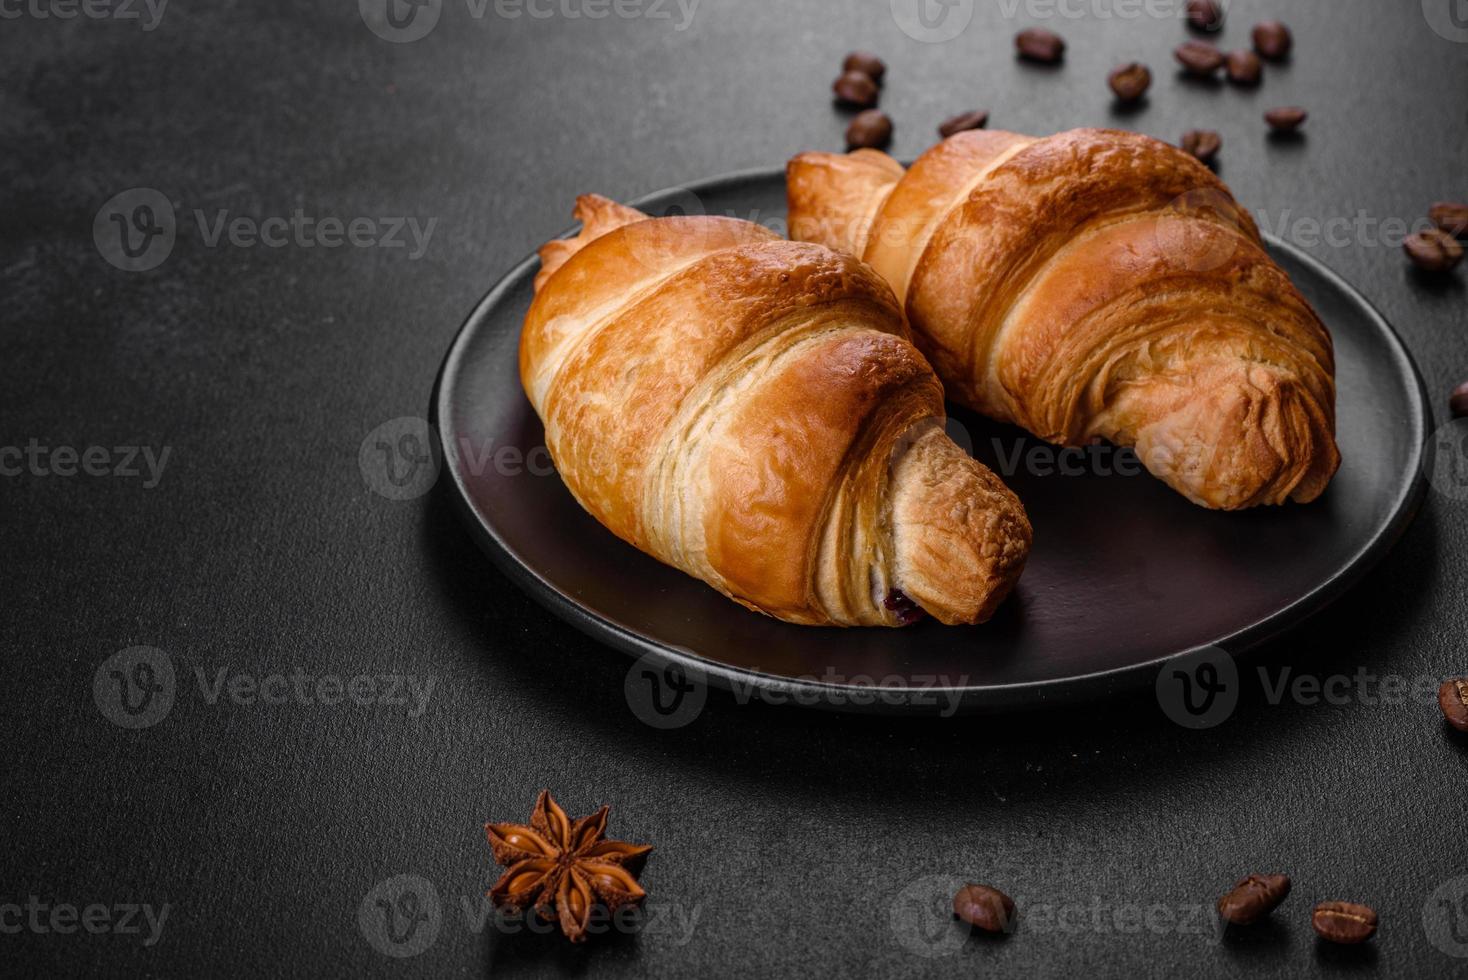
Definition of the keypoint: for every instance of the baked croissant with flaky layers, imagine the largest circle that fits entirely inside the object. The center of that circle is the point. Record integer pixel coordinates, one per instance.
(751, 411)
(1095, 284)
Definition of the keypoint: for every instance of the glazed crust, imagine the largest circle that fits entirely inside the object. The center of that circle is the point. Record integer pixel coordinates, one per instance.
(1095, 284)
(750, 410)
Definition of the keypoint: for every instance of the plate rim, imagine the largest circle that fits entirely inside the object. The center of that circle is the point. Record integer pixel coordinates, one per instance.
(966, 699)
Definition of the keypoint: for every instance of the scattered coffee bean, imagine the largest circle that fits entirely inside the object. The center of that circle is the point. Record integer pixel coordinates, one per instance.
(1344, 922)
(1202, 143)
(983, 907)
(866, 63)
(962, 122)
(869, 130)
(1253, 898)
(1129, 81)
(1452, 697)
(1273, 40)
(1038, 44)
(855, 88)
(1458, 401)
(1285, 119)
(1198, 57)
(1433, 250)
(1205, 15)
(1450, 217)
(1243, 67)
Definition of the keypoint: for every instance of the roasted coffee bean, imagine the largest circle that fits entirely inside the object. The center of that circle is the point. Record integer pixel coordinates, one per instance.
(962, 122)
(1198, 57)
(1038, 44)
(984, 908)
(1273, 40)
(1286, 118)
(1458, 401)
(1129, 81)
(869, 130)
(1243, 67)
(1344, 922)
(1433, 250)
(855, 88)
(1450, 217)
(1201, 143)
(1205, 15)
(1452, 697)
(866, 63)
(1253, 898)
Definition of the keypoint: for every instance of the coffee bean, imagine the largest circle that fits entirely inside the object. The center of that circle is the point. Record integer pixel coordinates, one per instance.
(1285, 119)
(1038, 44)
(870, 130)
(1452, 697)
(1243, 67)
(1344, 922)
(984, 908)
(855, 88)
(1198, 57)
(866, 63)
(1253, 898)
(1205, 15)
(1458, 401)
(1202, 143)
(1450, 217)
(1129, 81)
(962, 122)
(1273, 40)
(1433, 250)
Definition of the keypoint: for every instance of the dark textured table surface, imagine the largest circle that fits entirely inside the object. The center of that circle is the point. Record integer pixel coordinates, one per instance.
(247, 827)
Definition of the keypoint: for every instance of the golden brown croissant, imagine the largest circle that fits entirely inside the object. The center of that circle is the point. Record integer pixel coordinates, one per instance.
(750, 410)
(1095, 283)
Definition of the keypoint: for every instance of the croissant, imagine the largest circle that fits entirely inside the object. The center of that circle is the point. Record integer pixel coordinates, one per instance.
(750, 410)
(1095, 284)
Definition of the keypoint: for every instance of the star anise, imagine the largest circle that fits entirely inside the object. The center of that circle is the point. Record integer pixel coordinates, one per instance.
(557, 866)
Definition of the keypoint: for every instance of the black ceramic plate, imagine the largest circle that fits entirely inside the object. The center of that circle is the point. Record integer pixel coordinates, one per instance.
(1124, 575)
